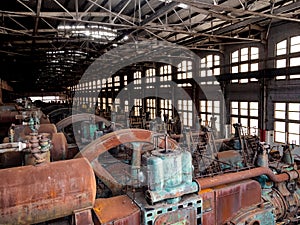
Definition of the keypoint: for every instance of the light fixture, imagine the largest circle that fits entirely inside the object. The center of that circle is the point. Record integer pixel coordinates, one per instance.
(182, 5)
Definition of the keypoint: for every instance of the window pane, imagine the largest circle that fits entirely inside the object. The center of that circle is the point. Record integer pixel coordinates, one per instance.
(235, 69)
(295, 61)
(281, 63)
(254, 66)
(279, 106)
(235, 57)
(244, 68)
(294, 138)
(244, 54)
(294, 115)
(295, 44)
(294, 128)
(280, 126)
(244, 122)
(279, 137)
(279, 114)
(294, 107)
(294, 76)
(281, 48)
(254, 53)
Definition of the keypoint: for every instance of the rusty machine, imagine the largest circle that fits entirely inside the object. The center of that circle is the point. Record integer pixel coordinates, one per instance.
(135, 176)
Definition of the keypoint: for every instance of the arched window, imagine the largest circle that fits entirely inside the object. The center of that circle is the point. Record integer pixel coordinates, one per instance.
(287, 55)
(244, 60)
(165, 73)
(210, 66)
(185, 72)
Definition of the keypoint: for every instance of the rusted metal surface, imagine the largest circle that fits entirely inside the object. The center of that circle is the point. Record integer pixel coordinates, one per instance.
(11, 159)
(33, 194)
(185, 216)
(83, 217)
(80, 118)
(8, 116)
(47, 128)
(224, 202)
(112, 140)
(231, 199)
(119, 210)
(29, 158)
(208, 206)
(210, 182)
(59, 147)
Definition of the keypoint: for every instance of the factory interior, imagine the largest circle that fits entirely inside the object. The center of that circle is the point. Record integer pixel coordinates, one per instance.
(150, 112)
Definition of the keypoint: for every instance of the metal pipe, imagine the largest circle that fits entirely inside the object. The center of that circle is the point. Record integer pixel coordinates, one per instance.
(210, 182)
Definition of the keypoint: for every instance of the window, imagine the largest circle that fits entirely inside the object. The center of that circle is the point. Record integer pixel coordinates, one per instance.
(125, 81)
(166, 108)
(117, 82)
(116, 105)
(165, 75)
(137, 79)
(245, 113)
(137, 106)
(184, 70)
(103, 83)
(126, 106)
(209, 110)
(109, 83)
(244, 60)
(286, 56)
(150, 77)
(151, 107)
(104, 103)
(287, 122)
(185, 110)
(210, 66)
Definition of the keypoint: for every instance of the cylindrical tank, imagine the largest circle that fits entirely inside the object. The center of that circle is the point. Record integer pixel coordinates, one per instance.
(8, 116)
(172, 167)
(33, 194)
(156, 173)
(187, 167)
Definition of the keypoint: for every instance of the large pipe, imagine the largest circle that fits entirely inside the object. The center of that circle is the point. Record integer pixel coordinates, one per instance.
(210, 182)
(34, 194)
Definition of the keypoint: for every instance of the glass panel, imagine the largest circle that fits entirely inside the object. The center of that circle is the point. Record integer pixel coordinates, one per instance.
(280, 126)
(244, 54)
(294, 76)
(295, 44)
(279, 137)
(295, 61)
(244, 68)
(254, 53)
(281, 63)
(279, 106)
(254, 66)
(235, 57)
(254, 126)
(279, 114)
(244, 122)
(294, 138)
(235, 69)
(294, 107)
(281, 48)
(294, 115)
(294, 128)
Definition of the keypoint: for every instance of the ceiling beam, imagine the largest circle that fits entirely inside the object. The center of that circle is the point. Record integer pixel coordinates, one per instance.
(161, 11)
(236, 11)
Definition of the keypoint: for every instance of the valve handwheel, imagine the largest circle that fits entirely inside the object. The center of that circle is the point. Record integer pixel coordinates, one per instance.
(138, 137)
